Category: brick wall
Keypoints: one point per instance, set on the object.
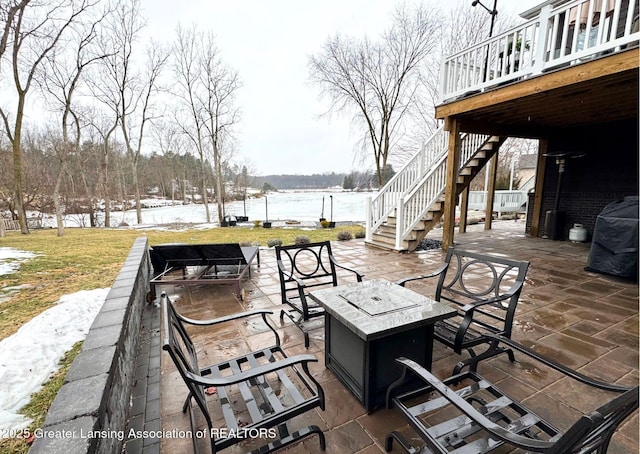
(90, 411)
(607, 172)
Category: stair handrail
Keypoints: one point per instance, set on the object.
(412, 207)
(385, 201)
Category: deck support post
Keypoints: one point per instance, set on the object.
(491, 190)
(450, 193)
(464, 207)
(536, 213)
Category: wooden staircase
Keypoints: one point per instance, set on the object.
(386, 234)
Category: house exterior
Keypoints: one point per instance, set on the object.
(567, 76)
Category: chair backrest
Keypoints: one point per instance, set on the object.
(222, 254)
(181, 255)
(472, 277)
(592, 432)
(174, 255)
(182, 352)
(311, 263)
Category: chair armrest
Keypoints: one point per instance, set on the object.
(359, 276)
(228, 318)
(559, 367)
(468, 311)
(470, 411)
(442, 268)
(254, 372)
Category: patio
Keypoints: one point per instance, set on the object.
(584, 320)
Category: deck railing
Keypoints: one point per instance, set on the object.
(503, 201)
(568, 34)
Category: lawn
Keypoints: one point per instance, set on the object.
(86, 259)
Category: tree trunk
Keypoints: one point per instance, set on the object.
(136, 188)
(56, 201)
(18, 184)
(205, 196)
(219, 182)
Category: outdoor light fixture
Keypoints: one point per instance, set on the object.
(494, 13)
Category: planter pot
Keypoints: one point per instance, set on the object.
(232, 223)
(266, 225)
(224, 224)
(332, 225)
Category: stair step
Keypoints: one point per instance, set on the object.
(385, 236)
(390, 225)
(384, 246)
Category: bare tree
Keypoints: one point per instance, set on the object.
(207, 91)
(104, 126)
(376, 80)
(130, 92)
(61, 77)
(8, 12)
(35, 31)
(189, 91)
(221, 115)
(170, 139)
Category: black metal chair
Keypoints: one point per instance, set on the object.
(302, 268)
(485, 290)
(468, 413)
(251, 396)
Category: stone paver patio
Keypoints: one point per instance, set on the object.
(585, 320)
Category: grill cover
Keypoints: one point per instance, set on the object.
(614, 248)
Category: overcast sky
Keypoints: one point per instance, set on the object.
(268, 43)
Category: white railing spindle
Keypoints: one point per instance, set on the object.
(555, 37)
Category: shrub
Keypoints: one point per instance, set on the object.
(360, 234)
(344, 235)
(274, 242)
(257, 223)
(324, 223)
(302, 239)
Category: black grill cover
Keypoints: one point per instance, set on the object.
(614, 248)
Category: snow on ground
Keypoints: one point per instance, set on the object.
(30, 356)
(10, 259)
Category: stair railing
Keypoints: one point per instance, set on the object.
(385, 201)
(413, 206)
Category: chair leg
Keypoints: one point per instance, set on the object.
(388, 445)
(187, 403)
(299, 324)
(473, 361)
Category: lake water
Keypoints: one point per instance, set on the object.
(303, 206)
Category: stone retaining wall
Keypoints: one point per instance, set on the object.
(89, 414)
